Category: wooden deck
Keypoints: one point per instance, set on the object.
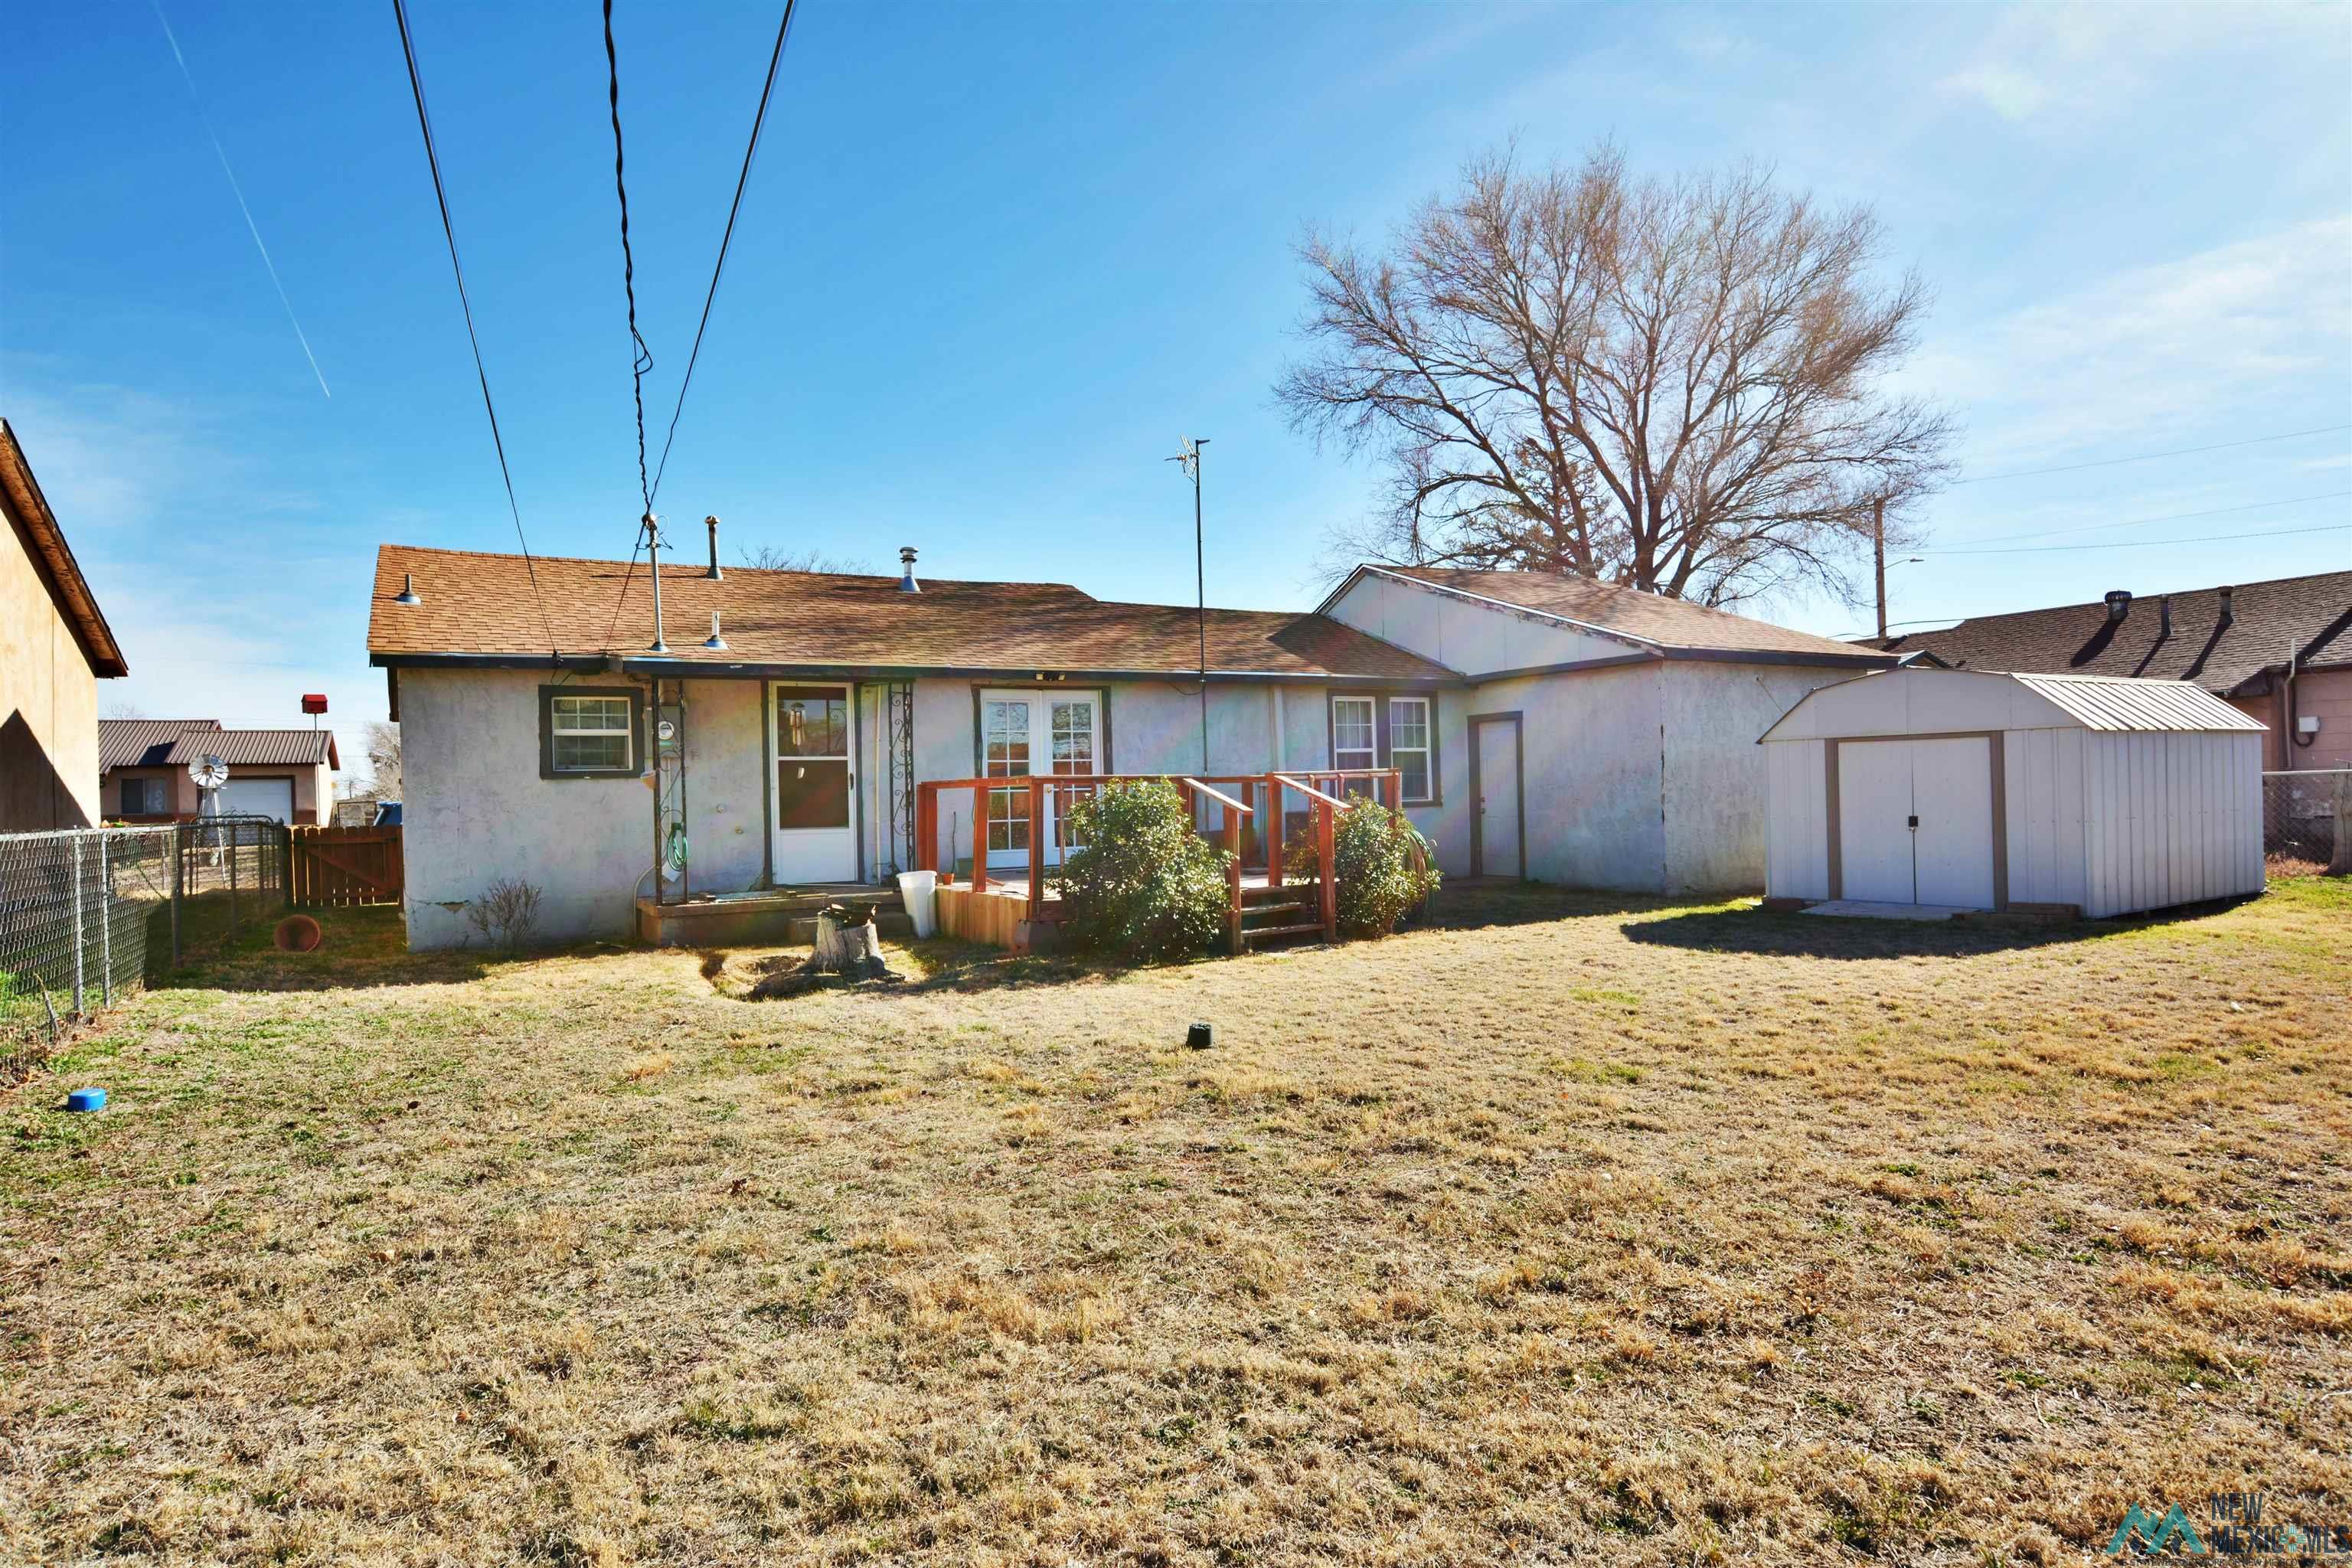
(1003, 914)
(771, 915)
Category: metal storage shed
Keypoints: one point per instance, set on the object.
(1977, 790)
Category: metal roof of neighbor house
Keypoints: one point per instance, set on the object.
(2270, 622)
(175, 743)
(142, 743)
(2118, 702)
(483, 606)
(1630, 613)
(258, 748)
(45, 544)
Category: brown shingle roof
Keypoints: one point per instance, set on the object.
(1676, 624)
(484, 604)
(142, 743)
(257, 748)
(2269, 621)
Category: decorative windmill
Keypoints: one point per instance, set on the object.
(210, 773)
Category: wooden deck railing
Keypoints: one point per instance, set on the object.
(1328, 793)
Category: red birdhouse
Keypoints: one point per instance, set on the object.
(314, 702)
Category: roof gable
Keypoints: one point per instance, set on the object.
(1638, 621)
(43, 544)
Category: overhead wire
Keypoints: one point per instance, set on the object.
(449, 232)
(641, 359)
(751, 150)
(2150, 457)
(2147, 543)
(2171, 517)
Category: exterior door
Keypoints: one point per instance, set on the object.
(812, 733)
(1875, 821)
(1022, 732)
(1915, 822)
(1951, 793)
(272, 798)
(1500, 847)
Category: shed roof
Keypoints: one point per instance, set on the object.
(1917, 702)
(485, 606)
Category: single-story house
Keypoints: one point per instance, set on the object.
(285, 774)
(1552, 729)
(2280, 650)
(54, 648)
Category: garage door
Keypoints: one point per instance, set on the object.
(259, 798)
(1915, 821)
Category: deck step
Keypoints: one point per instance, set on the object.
(1250, 910)
(1256, 933)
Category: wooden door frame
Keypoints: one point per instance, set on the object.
(1517, 719)
(1993, 750)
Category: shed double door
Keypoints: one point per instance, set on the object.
(1915, 821)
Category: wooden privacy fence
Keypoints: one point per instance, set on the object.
(346, 866)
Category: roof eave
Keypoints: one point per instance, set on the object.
(755, 669)
(53, 558)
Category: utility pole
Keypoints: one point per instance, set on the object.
(1878, 556)
(1189, 459)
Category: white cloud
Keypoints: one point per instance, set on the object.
(2177, 346)
(2011, 93)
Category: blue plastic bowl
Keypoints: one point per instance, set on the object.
(86, 1099)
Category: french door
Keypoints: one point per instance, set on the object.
(813, 741)
(1025, 732)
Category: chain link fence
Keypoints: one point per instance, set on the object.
(2300, 813)
(92, 914)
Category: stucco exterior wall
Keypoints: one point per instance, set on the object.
(1715, 800)
(48, 706)
(2326, 695)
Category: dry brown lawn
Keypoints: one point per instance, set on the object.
(1617, 1232)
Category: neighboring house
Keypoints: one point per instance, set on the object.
(1556, 729)
(2281, 651)
(55, 646)
(281, 773)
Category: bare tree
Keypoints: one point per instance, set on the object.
(123, 707)
(383, 743)
(1675, 386)
(775, 558)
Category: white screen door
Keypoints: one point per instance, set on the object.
(1024, 732)
(813, 733)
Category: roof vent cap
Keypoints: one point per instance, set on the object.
(906, 583)
(2228, 613)
(714, 642)
(407, 595)
(2118, 605)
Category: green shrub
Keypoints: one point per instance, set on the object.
(1386, 867)
(1145, 886)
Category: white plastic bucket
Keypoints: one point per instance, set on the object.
(918, 892)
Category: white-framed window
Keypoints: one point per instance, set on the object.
(1354, 739)
(1409, 744)
(589, 735)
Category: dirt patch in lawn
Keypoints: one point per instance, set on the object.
(1523, 1237)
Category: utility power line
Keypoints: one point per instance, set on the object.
(432, 161)
(2149, 543)
(2172, 517)
(238, 191)
(2150, 457)
(641, 359)
(750, 151)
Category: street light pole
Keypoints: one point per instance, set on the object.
(1190, 458)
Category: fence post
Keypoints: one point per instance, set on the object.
(233, 847)
(178, 886)
(76, 922)
(2340, 862)
(105, 925)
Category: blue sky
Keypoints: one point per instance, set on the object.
(996, 260)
